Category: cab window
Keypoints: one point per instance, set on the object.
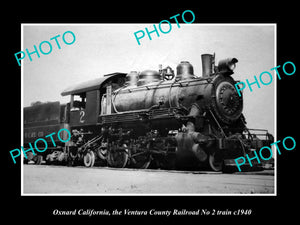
(78, 102)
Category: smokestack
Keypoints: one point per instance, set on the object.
(207, 64)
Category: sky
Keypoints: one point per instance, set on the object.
(100, 49)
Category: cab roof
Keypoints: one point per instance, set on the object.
(91, 84)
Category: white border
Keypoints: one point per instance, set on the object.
(22, 115)
(275, 109)
(150, 194)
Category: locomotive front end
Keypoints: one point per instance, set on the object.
(215, 118)
(215, 132)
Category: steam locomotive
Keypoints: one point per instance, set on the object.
(152, 118)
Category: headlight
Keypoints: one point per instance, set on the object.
(231, 66)
(226, 66)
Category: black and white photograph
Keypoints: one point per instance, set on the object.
(161, 116)
(150, 113)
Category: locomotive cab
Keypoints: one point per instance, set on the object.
(86, 98)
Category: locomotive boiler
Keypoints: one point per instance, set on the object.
(160, 119)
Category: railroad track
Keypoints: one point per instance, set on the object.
(62, 180)
(269, 172)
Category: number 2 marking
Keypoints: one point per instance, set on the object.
(82, 113)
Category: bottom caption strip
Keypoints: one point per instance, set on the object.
(153, 212)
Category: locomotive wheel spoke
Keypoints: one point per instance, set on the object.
(39, 159)
(215, 161)
(117, 158)
(89, 159)
(102, 154)
(141, 160)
